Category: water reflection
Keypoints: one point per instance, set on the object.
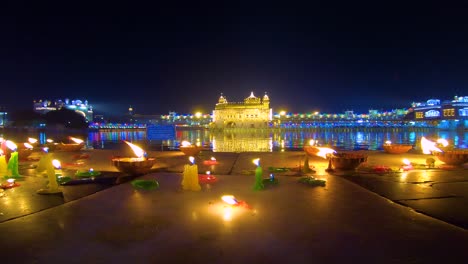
(262, 140)
(242, 141)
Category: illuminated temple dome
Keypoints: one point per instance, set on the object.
(254, 112)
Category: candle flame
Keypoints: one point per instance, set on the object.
(45, 149)
(191, 159)
(256, 161)
(11, 181)
(311, 142)
(443, 142)
(428, 146)
(213, 158)
(77, 140)
(11, 145)
(49, 140)
(208, 172)
(230, 199)
(323, 152)
(28, 146)
(56, 164)
(186, 144)
(139, 152)
(388, 142)
(32, 140)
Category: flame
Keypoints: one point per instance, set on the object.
(213, 158)
(56, 164)
(323, 152)
(406, 162)
(49, 140)
(11, 145)
(191, 159)
(45, 149)
(443, 142)
(11, 181)
(28, 146)
(186, 144)
(428, 146)
(32, 140)
(256, 161)
(139, 152)
(230, 199)
(311, 142)
(208, 172)
(76, 140)
(388, 142)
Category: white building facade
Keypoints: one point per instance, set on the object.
(254, 112)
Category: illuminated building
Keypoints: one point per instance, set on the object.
(433, 109)
(83, 108)
(252, 113)
(446, 114)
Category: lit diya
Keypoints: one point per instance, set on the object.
(207, 178)
(24, 151)
(89, 173)
(396, 148)
(232, 201)
(347, 160)
(453, 157)
(211, 161)
(188, 149)
(134, 166)
(407, 165)
(77, 145)
(11, 183)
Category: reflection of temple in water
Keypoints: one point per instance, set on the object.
(241, 142)
(252, 113)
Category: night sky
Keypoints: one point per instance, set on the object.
(161, 58)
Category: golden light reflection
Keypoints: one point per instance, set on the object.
(227, 215)
(403, 176)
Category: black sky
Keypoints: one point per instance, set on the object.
(161, 58)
